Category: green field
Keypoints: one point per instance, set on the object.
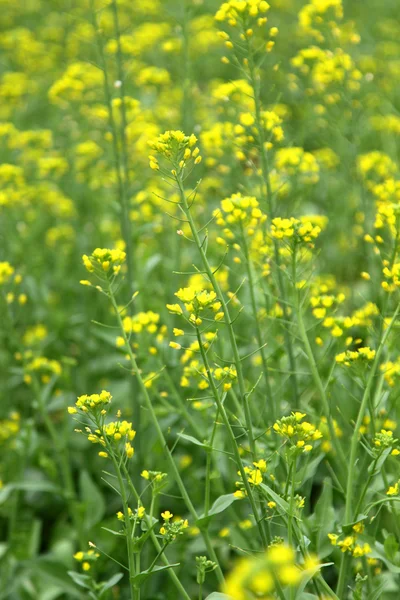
(199, 299)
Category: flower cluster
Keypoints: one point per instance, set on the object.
(116, 435)
(301, 231)
(392, 276)
(312, 14)
(385, 439)
(239, 215)
(178, 149)
(93, 403)
(9, 427)
(296, 163)
(42, 365)
(326, 445)
(143, 323)
(86, 558)
(6, 272)
(172, 528)
(196, 301)
(349, 543)
(133, 515)
(103, 262)
(154, 477)
(119, 434)
(299, 433)
(241, 11)
(257, 576)
(225, 375)
(391, 371)
(347, 358)
(254, 476)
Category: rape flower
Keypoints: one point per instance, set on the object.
(177, 149)
(350, 356)
(257, 575)
(297, 432)
(103, 261)
(93, 402)
(6, 272)
(393, 490)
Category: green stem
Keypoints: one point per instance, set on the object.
(269, 399)
(267, 195)
(227, 318)
(137, 570)
(128, 526)
(163, 442)
(360, 416)
(366, 486)
(318, 381)
(161, 551)
(342, 576)
(120, 163)
(235, 448)
(291, 502)
(208, 467)
(186, 85)
(354, 443)
(153, 536)
(182, 406)
(290, 515)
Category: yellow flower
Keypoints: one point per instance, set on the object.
(393, 490)
(166, 515)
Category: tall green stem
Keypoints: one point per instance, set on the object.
(318, 383)
(267, 196)
(235, 448)
(135, 592)
(253, 301)
(171, 462)
(153, 536)
(124, 151)
(354, 444)
(360, 416)
(227, 318)
(121, 165)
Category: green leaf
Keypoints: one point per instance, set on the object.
(141, 577)
(3, 549)
(139, 542)
(221, 503)
(378, 593)
(80, 579)
(28, 486)
(92, 498)
(218, 596)
(307, 576)
(274, 496)
(114, 532)
(391, 547)
(192, 439)
(324, 518)
(111, 582)
(378, 551)
(309, 469)
(57, 574)
(376, 468)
